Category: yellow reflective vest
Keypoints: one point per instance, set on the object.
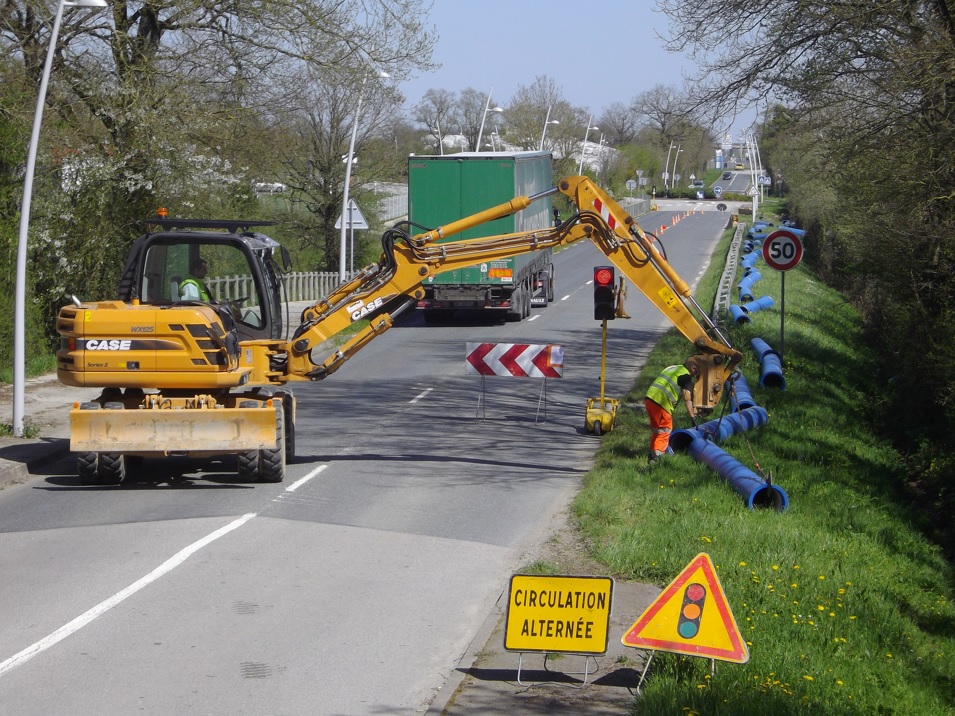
(665, 390)
(200, 287)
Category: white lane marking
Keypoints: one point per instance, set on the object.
(419, 396)
(298, 483)
(565, 297)
(534, 317)
(83, 619)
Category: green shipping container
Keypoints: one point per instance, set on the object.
(442, 189)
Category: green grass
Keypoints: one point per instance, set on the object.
(39, 365)
(846, 607)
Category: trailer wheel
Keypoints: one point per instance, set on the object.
(272, 462)
(516, 310)
(598, 428)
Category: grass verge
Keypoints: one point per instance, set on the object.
(846, 606)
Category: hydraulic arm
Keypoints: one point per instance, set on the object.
(384, 289)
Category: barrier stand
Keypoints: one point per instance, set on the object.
(585, 672)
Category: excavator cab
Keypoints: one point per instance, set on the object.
(242, 275)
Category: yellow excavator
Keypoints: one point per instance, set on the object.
(187, 376)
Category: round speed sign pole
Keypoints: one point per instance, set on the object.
(782, 251)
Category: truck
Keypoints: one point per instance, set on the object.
(444, 188)
(210, 378)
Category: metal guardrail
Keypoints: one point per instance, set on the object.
(722, 303)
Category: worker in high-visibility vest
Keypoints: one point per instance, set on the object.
(673, 383)
(193, 289)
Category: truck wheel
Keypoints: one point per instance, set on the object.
(516, 311)
(86, 467)
(112, 468)
(527, 299)
(272, 462)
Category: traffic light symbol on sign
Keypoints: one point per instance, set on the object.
(604, 293)
(689, 623)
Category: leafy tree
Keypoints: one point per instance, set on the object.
(862, 94)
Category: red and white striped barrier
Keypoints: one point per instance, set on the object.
(521, 360)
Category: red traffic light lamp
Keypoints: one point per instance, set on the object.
(604, 293)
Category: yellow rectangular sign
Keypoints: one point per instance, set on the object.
(558, 614)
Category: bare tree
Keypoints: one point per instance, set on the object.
(437, 111)
(620, 123)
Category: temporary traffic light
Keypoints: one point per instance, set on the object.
(603, 293)
(689, 624)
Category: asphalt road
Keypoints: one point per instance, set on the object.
(354, 587)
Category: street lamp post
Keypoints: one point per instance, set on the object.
(676, 156)
(666, 168)
(547, 121)
(19, 308)
(348, 164)
(583, 147)
(487, 108)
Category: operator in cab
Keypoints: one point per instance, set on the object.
(193, 288)
(673, 383)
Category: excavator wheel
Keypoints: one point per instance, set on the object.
(86, 467)
(248, 462)
(272, 462)
(265, 465)
(288, 405)
(112, 468)
(249, 465)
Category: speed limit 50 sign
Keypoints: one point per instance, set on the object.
(782, 250)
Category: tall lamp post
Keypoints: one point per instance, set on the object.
(666, 168)
(583, 147)
(19, 308)
(346, 215)
(487, 108)
(547, 121)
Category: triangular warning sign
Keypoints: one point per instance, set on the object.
(691, 617)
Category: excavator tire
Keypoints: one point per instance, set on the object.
(248, 463)
(272, 462)
(86, 467)
(112, 468)
(288, 405)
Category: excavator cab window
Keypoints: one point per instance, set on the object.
(229, 277)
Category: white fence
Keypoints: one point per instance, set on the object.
(300, 286)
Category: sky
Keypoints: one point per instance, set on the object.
(596, 56)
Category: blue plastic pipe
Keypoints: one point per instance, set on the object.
(741, 397)
(739, 315)
(771, 372)
(720, 429)
(755, 491)
(760, 304)
(770, 364)
(761, 348)
(752, 273)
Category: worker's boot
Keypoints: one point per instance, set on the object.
(654, 456)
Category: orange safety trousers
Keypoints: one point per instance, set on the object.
(661, 424)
